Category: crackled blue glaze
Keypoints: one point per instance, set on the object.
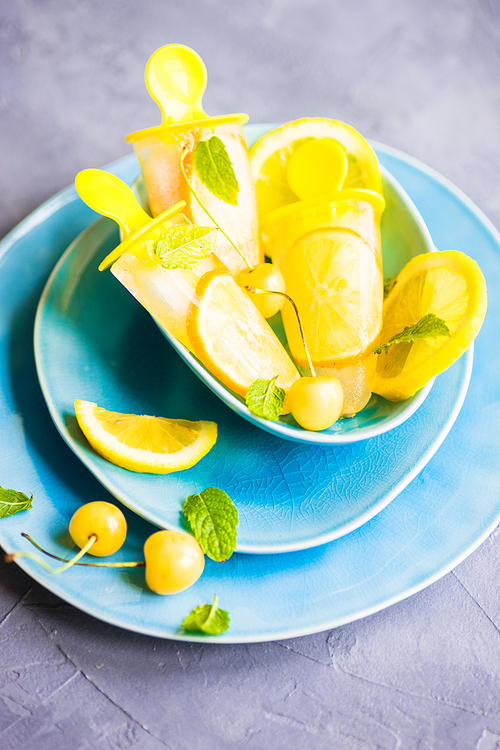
(427, 529)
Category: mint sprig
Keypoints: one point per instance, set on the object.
(430, 326)
(208, 619)
(215, 170)
(213, 518)
(12, 501)
(265, 399)
(185, 246)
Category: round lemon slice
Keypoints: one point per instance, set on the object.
(152, 445)
(232, 339)
(335, 279)
(270, 159)
(447, 284)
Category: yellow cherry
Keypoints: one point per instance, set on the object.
(105, 521)
(265, 277)
(316, 402)
(174, 562)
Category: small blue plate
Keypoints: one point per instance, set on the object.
(94, 342)
(433, 524)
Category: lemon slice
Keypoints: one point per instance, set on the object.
(448, 284)
(270, 157)
(232, 339)
(335, 279)
(152, 445)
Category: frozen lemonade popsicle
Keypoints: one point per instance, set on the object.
(176, 79)
(165, 293)
(327, 245)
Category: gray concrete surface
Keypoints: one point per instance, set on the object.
(420, 75)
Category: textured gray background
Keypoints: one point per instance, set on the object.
(421, 75)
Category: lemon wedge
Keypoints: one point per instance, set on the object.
(447, 284)
(152, 445)
(270, 160)
(232, 339)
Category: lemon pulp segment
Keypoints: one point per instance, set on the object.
(154, 434)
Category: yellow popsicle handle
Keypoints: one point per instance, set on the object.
(316, 167)
(176, 78)
(134, 242)
(110, 196)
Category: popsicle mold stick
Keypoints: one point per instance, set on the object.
(110, 196)
(176, 78)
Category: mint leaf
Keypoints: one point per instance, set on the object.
(215, 170)
(185, 246)
(388, 285)
(12, 501)
(427, 327)
(265, 399)
(207, 618)
(213, 518)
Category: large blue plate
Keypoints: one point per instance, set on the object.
(433, 524)
(94, 342)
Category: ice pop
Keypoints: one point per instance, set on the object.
(327, 246)
(176, 79)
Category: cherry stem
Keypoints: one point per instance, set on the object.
(73, 561)
(253, 290)
(213, 609)
(68, 563)
(193, 191)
